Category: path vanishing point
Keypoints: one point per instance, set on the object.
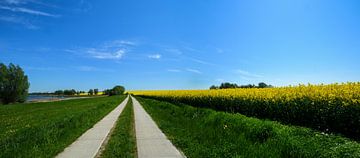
(151, 141)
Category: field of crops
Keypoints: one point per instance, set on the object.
(330, 108)
(45, 129)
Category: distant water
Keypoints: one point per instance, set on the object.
(42, 97)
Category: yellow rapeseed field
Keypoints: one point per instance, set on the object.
(333, 107)
(344, 94)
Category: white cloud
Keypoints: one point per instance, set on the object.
(247, 75)
(155, 56)
(103, 54)
(194, 71)
(108, 50)
(28, 11)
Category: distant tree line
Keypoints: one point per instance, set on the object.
(117, 90)
(227, 85)
(66, 92)
(14, 84)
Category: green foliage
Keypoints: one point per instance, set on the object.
(91, 92)
(45, 129)
(69, 92)
(122, 142)
(107, 91)
(14, 84)
(117, 90)
(59, 92)
(207, 133)
(96, 91)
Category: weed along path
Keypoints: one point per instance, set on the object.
(151, 141)
(89, 143)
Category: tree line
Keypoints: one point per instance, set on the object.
(227, 85)
(117, 90)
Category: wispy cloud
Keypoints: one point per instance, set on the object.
(246, 75)
(18, 20)
(201, 61)
(28, 11)
(154, 56)
(104, 54)
(23, 11)
(173, 70)
(108, 50)
(174, 51)
(194, 71)
(14, 1)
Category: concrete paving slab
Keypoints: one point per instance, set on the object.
(89, 143)
(151, 141)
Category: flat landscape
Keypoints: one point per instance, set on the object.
(179, 79)
(199, 123)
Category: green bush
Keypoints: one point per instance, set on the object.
(14, 84)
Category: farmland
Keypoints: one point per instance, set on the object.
(200, 132)
(328, 108)
(45, 129)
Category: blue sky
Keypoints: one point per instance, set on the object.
(179, 44)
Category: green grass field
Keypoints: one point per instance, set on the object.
(122, 142)
(207, 133)
(45, 129)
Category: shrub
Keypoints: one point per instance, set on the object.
(14, 84)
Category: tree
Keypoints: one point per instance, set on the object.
(59, 92)
(117, 90)
(228, 85)
(96, 91)
(107, 91)
(214, 87)
(14, 84)
(262, 85)
(91, 92)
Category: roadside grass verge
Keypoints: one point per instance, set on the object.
(122, 142)
(45, 129)
(202, 132)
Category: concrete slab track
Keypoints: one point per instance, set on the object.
(88, 144)
(151, 141)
